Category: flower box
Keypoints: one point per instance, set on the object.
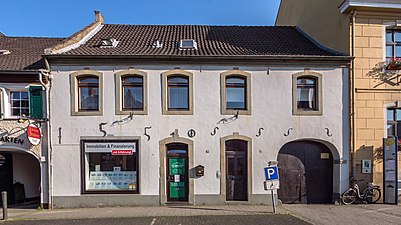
(394, 64)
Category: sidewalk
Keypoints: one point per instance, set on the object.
(346, 214)
(124, 212)
(315, 214)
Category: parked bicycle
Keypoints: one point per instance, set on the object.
(371, 194)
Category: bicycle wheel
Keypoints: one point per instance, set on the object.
(349, 197)
(373, 195)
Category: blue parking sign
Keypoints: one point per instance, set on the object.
(271, 173)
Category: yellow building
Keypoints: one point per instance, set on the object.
(369, 31)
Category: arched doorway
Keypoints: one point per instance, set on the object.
(236, 170)
(306, 173)
(177, 182)
(20, 176)
(176, 160)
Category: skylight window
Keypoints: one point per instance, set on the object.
(188, 44)
(108, 43)
(4, 52)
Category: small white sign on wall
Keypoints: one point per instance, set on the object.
(366, 166)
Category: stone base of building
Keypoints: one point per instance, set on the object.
(93, 201)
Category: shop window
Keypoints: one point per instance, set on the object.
(131, 92)
(177, 93)
(110, 167)
(235, 92)
(86, 93)
(307, 96)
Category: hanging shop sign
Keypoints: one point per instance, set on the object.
(115, 148)
(33, 134)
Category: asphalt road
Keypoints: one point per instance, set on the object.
(283, 219)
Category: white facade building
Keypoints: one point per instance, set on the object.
(228, 114)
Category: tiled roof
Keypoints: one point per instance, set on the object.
(212, 41)
(26, 52)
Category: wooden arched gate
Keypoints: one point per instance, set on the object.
(306, 173)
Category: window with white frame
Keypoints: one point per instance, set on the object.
(393, 44)
(19, 102)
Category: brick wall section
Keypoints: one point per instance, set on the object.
(370, 117)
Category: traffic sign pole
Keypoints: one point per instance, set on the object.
(273, 201)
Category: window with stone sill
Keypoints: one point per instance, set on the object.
(235, 95)
(86, 93)
(177, 92)
(307, 93)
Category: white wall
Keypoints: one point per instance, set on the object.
(271, 109)
(26, 171)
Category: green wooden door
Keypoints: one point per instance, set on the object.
(177, 179)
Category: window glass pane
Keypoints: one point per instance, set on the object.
(25, 111)
(398, 115)
(15, 103)
(15, 95)
(178, 80)
(389, 37)
(133, 98)
(129, 80)
(25, 103)
(398, 51)
(390, 130)
(24, 95)
(92, 80)
(178, 98)
(234, 80)
(89, 98)
(389, 51)
(390, 114)
(235, 98)
(397, 35)
(306, 94)
(16, 112)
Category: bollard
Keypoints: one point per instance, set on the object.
(4, 198)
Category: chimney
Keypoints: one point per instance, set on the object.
(99, 17)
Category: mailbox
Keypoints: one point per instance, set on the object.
(200, 171)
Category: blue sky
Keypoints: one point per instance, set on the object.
(61, 18)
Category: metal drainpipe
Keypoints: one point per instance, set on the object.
(49, 153)
(352, 99)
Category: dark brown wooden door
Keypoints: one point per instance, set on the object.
(306, 173)
(236, 171)
(6, 176)
(177, 173)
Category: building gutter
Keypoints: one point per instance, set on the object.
(352, 95)
(45, 72)
(98, 60)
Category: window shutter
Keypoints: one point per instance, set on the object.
(36, 95)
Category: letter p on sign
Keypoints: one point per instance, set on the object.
(271, 173)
